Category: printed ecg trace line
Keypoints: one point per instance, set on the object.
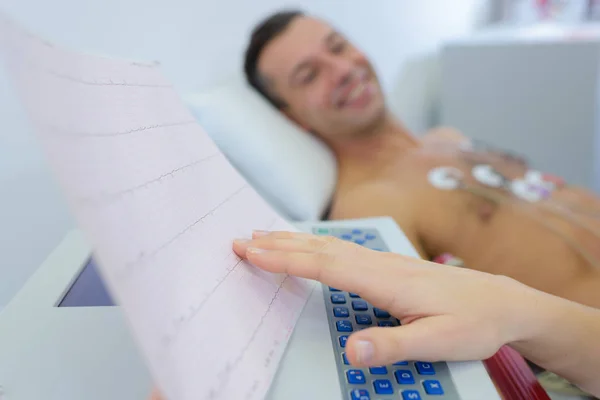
(25, 58)
(33, 38)
(197, 308)
(110, 82)
(74, 134)
(105, 197)
(168, 339)
(143, 256)
(226, 372)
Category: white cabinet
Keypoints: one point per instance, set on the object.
(535, 92)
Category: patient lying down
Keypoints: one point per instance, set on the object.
(449, 194)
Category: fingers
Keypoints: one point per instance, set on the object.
(288, 241)
(428, 339)
(323, 267)
(241, 246)
(329, 260)
(283, 235)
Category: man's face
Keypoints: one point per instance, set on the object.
(329, 87)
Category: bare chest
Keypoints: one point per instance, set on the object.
(545, 243)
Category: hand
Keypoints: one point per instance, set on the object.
(446, 313)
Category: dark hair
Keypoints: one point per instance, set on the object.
(262, 35)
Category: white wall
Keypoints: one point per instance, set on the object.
(199, 43)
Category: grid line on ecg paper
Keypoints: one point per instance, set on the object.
(144, 256)
(225, 373)
(106, 197)
(73, 134)
(167, 339)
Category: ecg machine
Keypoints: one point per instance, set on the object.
(62, 338)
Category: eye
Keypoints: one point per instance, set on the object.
(309, 76)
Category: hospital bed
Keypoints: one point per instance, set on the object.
(64, 316)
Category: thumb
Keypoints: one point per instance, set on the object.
(427, 339)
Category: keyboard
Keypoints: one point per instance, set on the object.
(347, 313)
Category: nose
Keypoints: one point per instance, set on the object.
(340, 70)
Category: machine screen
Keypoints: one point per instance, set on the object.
(88, 290)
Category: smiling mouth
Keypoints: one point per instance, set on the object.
(360, 93)
(356, 92)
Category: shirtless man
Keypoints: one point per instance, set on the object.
(482, 206)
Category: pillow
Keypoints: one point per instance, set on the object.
(294, 171)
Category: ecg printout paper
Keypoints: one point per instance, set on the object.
(160, 205)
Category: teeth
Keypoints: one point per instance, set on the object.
(357, 91)
(339, 101)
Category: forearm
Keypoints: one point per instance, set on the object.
(563, 337)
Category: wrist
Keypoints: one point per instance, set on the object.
(542, 320)
(556, 334)
(527, 313)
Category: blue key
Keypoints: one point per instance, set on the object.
(346, 237)
(383, 386)
(355, 376)
(401, 363)
(433, 387)
(385, 323)
(338, 298)
(360, 394)
(341, 312)
(359, 305)
(378, 370)
(345, 359)
(425, 368)
(344, 325)
(354, 295)
(332, 289)
(411, 395)
(363, 319)
(370, 236)
(359, 241)
(404, 377)
(343, 340)
(356, 231)
(379, 313)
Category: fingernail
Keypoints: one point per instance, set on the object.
(255, 250)
(364, 351)
(241, 241)
(259, 233)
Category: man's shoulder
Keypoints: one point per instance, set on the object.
(444, 134)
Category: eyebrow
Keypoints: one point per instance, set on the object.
(305, 63)
(332, 35)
